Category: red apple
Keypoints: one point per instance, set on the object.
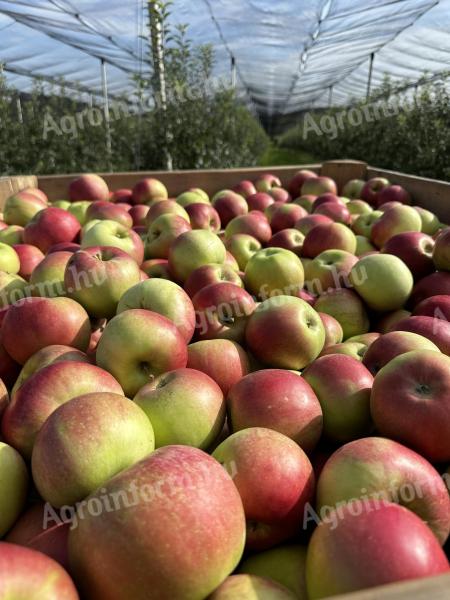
(37, 193)
(107, 210)
(289, 239)
(267, 181)
(51, 226)
(332, 236)
(416, 251)
(43, 322)
(156, 267)
(229, 205)
(279, 400)
(399, 219)
(393, 193)
(436, 284)
(203, 216)
(209, 274)
(441, 253)
(373, 187)
(64, 247)
(88, 187)
(334, 333)
(224, 361)
(121, 196)
(436, 306)
(165, 207)
(254, 224)
(148, 190)
(47, 278)
(305, 224)
(388, 543)
(296, 183)
(436, 330)
(259, 201)
(274, 479)
(337, 212)
(245, 188)
(29, 256)
(422, 395)
(161, 234)
(286, 216)
(326, 198)
(317, 186)
(280, 194)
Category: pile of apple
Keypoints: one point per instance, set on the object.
(244, 397)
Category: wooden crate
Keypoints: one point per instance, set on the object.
(431, 194)
(428, 193)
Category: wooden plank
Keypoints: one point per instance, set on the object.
(344, 170)
(432, 194)
(175, 181)
(431, 588)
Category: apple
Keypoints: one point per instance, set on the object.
(267, 181)
(342, 385)
(274, 271)
(436, 284)
(228, 205)
(383, 281)
(284, 564)
(132, 356)
(306, 202)
(165, 207)
(274, 478)
(110, 212)
(191, 197)
(20, 208)
(389, 544)
(79, 209)
(111, 233)
(334, 334)
(325, 199)
(430, 222)
(47, 356)
(64, 204)
(200, 192)
(9, 259)
(393, 193)
(286, 216)
(254, 224)
(393, 344)
(353, 189)
(259, 201)
(148, 190)
(384, 470)
(162, 232)
(225, 361)
(372, 188)
(156, 268)
(305, 224)
(203, 216)
(14, 476)
(36, 192)
(248, 587)
(242, 247)
(285, 332)
(232, 262)
(30, 574)
(222, 311)
(165, 298)
(185, 407)
(355, 350)
(441, 252)
(436, 306)
(347, 308)
(329, 269)
(64, 247)
(4, 397)
(270, 210)
(123, 195)
(289, 239)
(9, 370)
(387, 322)
(208, 274)
(280, 194)
(119, 435)
(365, 338)
(422, 395)
(47, 278)
(12, 288)
(337, 212)
(185, 502)
(255, 401)
(88, 187)
(12, 235)
(328, 236)
(363, 246)
(316, 186)
(357, 208)
(194, 249)
(436, 330)
(98, 277)
(364, 223)
(29, 257)
(296, 183)
(245, 188)
(32, 531)
(43, 322)
(398, 219)
(49, 227)
(42, 393)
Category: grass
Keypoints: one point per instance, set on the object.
(276, 156)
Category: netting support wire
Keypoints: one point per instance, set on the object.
(330, 96)
(233, 72)
(369, 80)
(157, 44)
(19, 111)
(106, 111)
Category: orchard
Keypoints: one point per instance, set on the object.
(243, 396)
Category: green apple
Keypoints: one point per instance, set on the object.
(383, 281)
(64, 204)
(12, 288)
(14, 484)
(251, 587)
(430, 222)
(9, 259)
(193, 249)
(363, 245)
(274, 272)
(111, 233)
(187, 198)
(12, 235)
(47, 278)
(78, 210)
(243, 246)
(363, 224)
